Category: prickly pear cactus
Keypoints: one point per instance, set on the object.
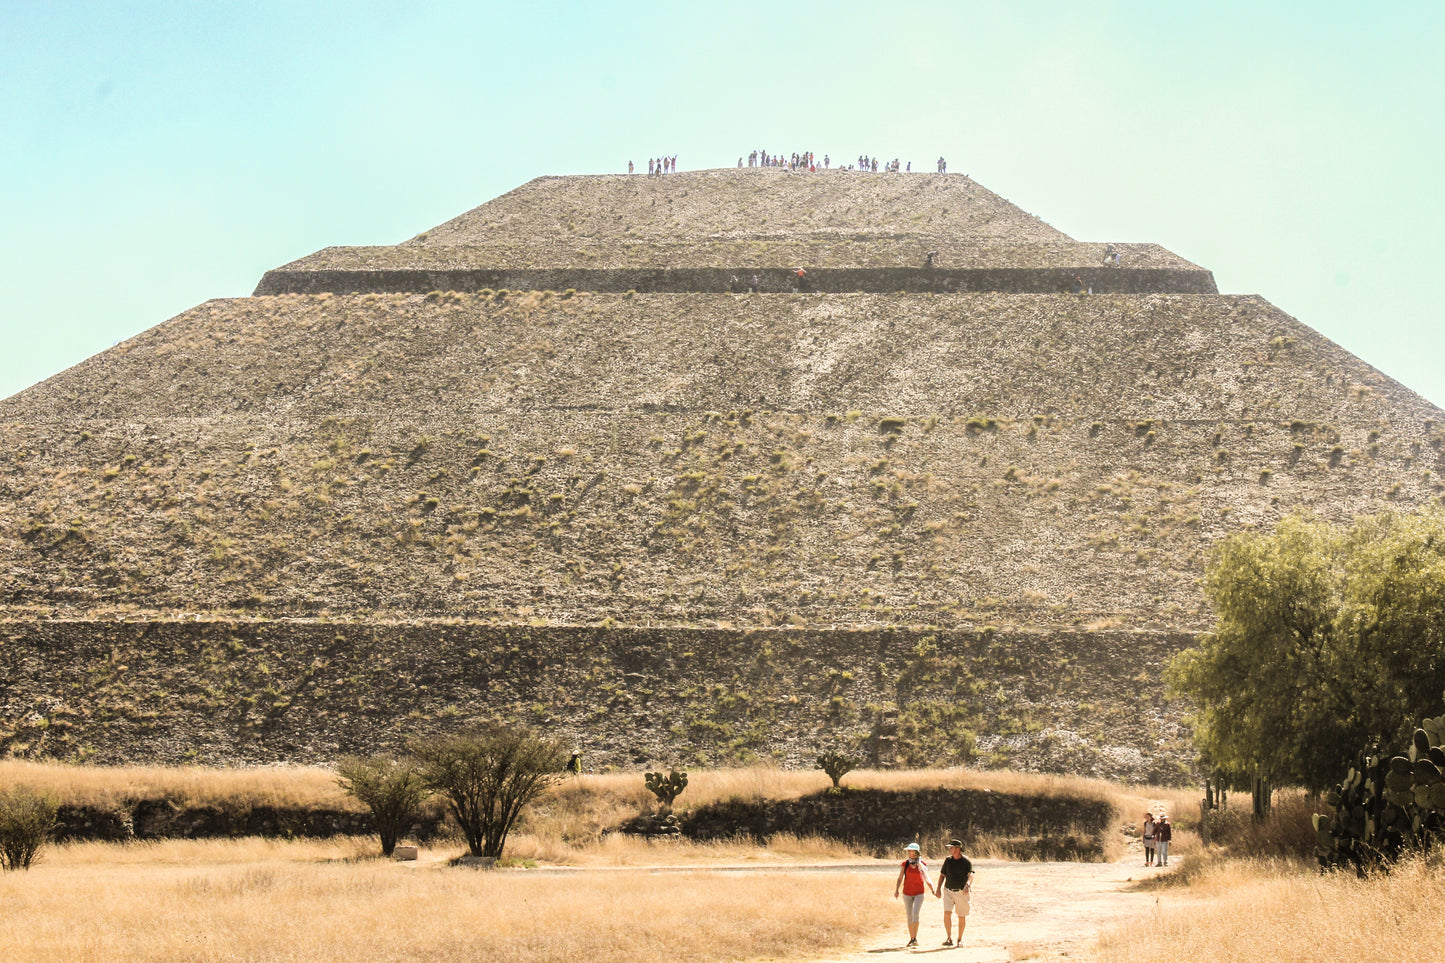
(836, 765)
(1386, 806)
(666, 788)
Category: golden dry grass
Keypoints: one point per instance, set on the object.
(1284, 911)
(316, 902)
(616, 849)
(104, 786)
(573, 823)
(314, 785)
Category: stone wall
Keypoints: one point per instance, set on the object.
(1042, 827)
(166, 819)
(310, 691)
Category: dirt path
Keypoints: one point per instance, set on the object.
(1039, 912)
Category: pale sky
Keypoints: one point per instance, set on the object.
(155, 155)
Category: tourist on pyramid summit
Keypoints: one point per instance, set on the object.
(1164, 832)
(629, 167)
(955, 884)
(826, 162)
(1150, 833)
(913, 881)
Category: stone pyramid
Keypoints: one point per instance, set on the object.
(698, 468)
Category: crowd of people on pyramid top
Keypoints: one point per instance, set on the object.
(806, 161)
(797, 162)
(658, 165)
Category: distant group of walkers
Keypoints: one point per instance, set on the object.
(955, 883)
(1156, 833)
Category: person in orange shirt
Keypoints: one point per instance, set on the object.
(913, 882)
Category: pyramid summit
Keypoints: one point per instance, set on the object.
(596, 457)
(713, 231)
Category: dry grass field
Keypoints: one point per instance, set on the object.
(621, 791)
(571, 824)
(255, 899)
(1285, 911)
(101, 786)
(314, 902)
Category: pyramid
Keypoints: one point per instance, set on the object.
(701, 468)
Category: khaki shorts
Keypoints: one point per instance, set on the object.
(955, 901)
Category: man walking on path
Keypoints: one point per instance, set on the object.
(1164, 832)
(955, 882)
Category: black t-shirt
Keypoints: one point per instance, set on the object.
(956, 872)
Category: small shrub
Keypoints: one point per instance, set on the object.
(391, 788)
(980, 424)
(487, 778)
(1287, 832)
(27, 819)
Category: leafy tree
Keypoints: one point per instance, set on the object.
(391, 788)
(1326, 639)
(487, 778)
(27, 818)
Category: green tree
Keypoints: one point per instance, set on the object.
(1325, 639)
(487, 778)
(391, 787)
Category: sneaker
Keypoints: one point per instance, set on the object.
(911, 943)
(948, 942)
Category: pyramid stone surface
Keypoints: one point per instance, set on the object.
(670, 520)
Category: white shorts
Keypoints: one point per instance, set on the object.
(955, 901)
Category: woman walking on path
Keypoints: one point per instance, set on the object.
(913, 881)
(1149, 833)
